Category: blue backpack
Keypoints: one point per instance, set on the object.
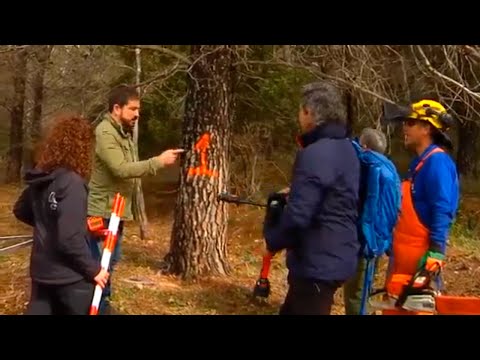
(379, 211)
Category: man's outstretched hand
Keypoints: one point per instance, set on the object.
(169, 157)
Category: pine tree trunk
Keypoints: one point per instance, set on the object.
(468, 134)
(15, 152)
(468, 129)
(351, 102)
(37, 64)
(198, 243)
(42, 54)
(139, 201)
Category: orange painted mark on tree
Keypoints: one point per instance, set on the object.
(201, 147)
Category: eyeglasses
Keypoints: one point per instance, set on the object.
(410, 122)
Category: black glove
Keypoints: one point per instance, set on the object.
(275, 204)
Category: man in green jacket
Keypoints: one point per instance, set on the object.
(116, 166)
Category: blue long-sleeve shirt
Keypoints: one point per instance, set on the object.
(436, 195)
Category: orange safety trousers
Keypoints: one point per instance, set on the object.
(410, 242)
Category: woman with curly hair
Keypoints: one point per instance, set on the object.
(62, 268)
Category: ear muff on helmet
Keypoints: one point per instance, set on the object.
(445, 119)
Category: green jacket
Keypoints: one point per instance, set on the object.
(115, 169)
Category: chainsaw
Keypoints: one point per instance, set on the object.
(234, 199)
(274, 205)
(419, 296)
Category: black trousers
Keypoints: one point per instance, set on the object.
(308, 297)
(71, 299)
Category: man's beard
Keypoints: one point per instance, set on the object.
(128, 125)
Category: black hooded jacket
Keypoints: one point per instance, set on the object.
(55, 205)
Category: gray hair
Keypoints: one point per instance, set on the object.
(326, 102)
(374, 140)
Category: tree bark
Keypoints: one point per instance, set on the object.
(468, 129)
(139, 205)
(37, 64)
(15, 152)
(42, 54)
(351, 111)
(198, 243)
(468, 134)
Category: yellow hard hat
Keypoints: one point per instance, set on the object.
(431, 111)
(425, 110)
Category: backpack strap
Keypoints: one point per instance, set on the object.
(367, 284)
(420, 165)
(422, 161)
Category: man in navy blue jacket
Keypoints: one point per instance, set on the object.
(318, 227)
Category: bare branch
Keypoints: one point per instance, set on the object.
(314, 69)
(163, 74)
(444, 77)
(164, 50)
(452, 65)
(470, 51)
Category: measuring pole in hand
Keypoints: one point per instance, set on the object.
(109, 246)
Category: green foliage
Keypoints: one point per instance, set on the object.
(271, 101)
(161, 121)
(162, 111)
(464, 233)
(264, 129)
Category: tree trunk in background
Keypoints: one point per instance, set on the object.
(42, 54)
(468, 134)
(351, 111)
(38, 60)
(15, 152)
(468, 128)
(139, 201)
(198, 243)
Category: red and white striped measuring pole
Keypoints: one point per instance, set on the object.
(109, 246)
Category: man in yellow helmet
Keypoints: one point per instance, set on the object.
(430, 193)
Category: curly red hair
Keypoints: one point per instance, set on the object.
(68, 144)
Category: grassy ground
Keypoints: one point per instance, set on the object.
(140, 288)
